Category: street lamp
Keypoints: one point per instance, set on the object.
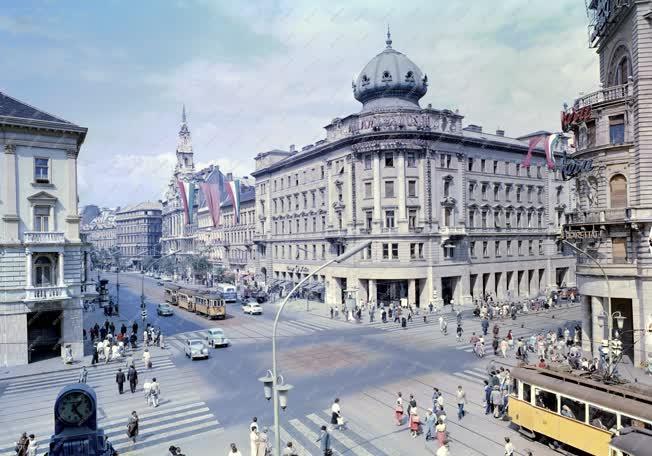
(142, 278)
(278, 389)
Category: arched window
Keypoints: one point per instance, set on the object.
(43, 273)
(618, 191)
(622, 71)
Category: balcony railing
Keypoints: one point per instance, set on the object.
(600, 215)
(452, 230)
(46, 293)
(612, 93)
(43, 237)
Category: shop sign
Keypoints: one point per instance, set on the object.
(298, 269)
(579, 235)
(573, 117)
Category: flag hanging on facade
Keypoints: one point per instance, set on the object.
(214, 192)
(233, 189)
(187, 193)
(549, 144)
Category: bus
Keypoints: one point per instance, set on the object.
(227, 291)
(572, 412)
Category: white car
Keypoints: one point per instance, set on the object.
(216, 338)
(196, 348)
(252, 308)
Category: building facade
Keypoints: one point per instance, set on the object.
(101, 231)
(43, 262)
(612, 128)
(138, 232)
(450, 211)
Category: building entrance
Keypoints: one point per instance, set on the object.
(624, 306)
(391, 291)
(560, 278)
(43, 335)
(448, 288)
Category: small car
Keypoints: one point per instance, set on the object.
(252, 308)
(216, 338)
(164, 310)
(196, 348)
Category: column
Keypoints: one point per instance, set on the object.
(10, 218)
(348, 214)
(377, 220)
(61, 269)
(587, 324)
(373, 297)
(73, 219)
(597, 324)
(423, 199)
(332, 197)
(363, 294)
(412, 292)
(465, 283)
(402, 217)
(28, 268)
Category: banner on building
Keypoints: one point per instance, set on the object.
(187, 194)
(214, 193)
(233, 189)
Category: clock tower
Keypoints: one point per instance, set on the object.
(185, 162)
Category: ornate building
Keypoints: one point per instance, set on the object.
(138, 232)
(450, 210)
(615, 200)
(101, 231)
(43, 261)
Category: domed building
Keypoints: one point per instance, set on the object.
(450, 212)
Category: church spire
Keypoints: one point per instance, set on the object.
(184, 145)
(388, 42)
(183, 114)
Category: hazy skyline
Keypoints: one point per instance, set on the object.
(266, 75)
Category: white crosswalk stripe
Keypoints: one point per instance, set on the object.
(342, 437)
(181, 415)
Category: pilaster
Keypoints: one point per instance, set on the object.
(377, 220)
(10, 219)
(402, 217)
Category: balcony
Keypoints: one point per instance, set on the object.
(613, 93)
(43, 237)
(600, 216)
(46, 293)
(452, 231)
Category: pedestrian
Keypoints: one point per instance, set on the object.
(133, 339)
(443, 450)
(398, 410)
(96, 355)
(485, 326)
(32, 446)
(459, 332)
(496, 401)
(132, 376)
(120, 380)
(504, 345)
(147, 358)
(383, 316)
(487, 397)
(146, 338)
(22, 445)
(411, 403)
(107, 352)
(431, 420)
(495, 344)
(132, 426)
(441, 323)
(440, 401)
(111, 328)
(332, 312)
(415, 423)
(289, 450)
(336, 414)
(123, 329)
(234, 451)
(264, 447)
(441, 432)
(509, 448)
(325, 442)
(253, 441)
(461, 401)
(154, 392)
(496, 330)
(254, 423)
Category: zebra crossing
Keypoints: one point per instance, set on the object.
(475, 375)
(181, 414)
(303, 434)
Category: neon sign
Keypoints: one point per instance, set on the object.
(572, 117)
(568, 167)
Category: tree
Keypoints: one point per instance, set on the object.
(147, 262)
(198, 265)
(167, 265)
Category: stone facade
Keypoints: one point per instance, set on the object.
(101, 231)
(138, 231)
(615, 199)
(43, 261)
(449, 210)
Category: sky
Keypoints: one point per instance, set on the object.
(260, 75)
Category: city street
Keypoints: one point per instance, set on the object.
(206, 404)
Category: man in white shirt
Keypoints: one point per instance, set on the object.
(461, 401)
(154, 392)
(509, 448)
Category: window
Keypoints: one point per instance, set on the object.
(314, 199)
(539, 220)
(618, 191)
(496, 191)
(321, 169)
(322, 196)
(314, 224)
(367, 190)
(445, 160)
(484, 219)
(411, 160)
(448, 217)
(518, 169)
(314, 252)
(420, 252)
(509, 248)
(530, 250)
(519, 190)
(42, 218)
(368, 219)
(617, 129)
(412, 189)
(546, 400)
(472, 249)
(619, 250)
(518, 219)
(527, 392)
(305, 200)
(529, 219)
(323, 251)
(471, 190)
(389, 219)
(520, 247)
(470, 164)
(483, 190)
(412, 218)
(508, 219)
(43, 272)
(471, 218)
(530, 190)
(508, 192)
(42, 170)
(413, 251)
(385, 251)
(483, 164)
(495, 166)
(366, 253)
(323, 222)
(497, 248)
(538, 172)
(601, 419)
(394, 251)
(447, 188)
(389, 159)
(590, 133)
(389, 189)
(449, 251)
(367, 161)
(497, 218)
(540, 195)
(305, 225)
(296, 180)
(626, 421)
(485, 249)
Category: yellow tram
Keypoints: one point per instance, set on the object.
(210, 305)
(170, 291)
(573, 412)
(186, 299)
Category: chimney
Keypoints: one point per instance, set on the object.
(500, 132)
(474, 128)
(293, 149)
(229, 176)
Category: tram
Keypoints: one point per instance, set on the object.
(170, 291)
(185, 299)
(210, 305)
(631, 442)
(570, 412)
(199, 300)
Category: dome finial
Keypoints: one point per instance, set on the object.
(388, 42)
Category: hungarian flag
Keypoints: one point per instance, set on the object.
(233, 189)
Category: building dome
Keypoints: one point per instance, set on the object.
(390, 80)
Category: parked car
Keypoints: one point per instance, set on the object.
(216, 338)
(196, 348)
(164, 310)
(252, 308)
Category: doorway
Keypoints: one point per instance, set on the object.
(560, 277)
(448, 288)
(44, 335)
(624, 306)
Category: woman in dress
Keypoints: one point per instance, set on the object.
(510, 339)
(253, 441)
(336, 413)
(415, 423)
(441, 432)
(132, 426)
(398, 410)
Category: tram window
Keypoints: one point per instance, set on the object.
(527, 392)
(573, 409)
(601, 418)
(626, 421)
(546, 400)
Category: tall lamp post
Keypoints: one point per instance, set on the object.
(142, 277)
(274, 383)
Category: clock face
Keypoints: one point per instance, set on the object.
(75, 408)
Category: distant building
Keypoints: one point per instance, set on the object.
(88, 213)
(43, 260)
(101, 231)
(138, 231)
